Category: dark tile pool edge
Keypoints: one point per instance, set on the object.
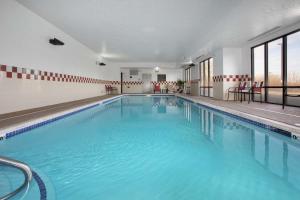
(41, 185)
(110, 100)
(250, 121)
(43, 123)
(28, 128)
(259, 124)
(155, 95)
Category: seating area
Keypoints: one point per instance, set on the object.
(244, 89)
(111, 90)
(165, 88)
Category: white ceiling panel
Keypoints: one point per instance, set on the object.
(163, 30)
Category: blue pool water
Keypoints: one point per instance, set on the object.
(155, 148)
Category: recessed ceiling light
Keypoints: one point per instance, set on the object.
(297, 124)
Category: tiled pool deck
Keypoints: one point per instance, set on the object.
(13, 119)
(270, 114)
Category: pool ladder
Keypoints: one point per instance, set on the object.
(22, 167)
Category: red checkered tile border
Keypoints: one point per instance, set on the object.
(115, 82)
(231, 78)
(132, 82)
(164, 82)
(32, 74)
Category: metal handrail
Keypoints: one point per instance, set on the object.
(21, 166)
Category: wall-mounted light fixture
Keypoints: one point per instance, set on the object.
(100, 61)
(156, 69)
(56, 41)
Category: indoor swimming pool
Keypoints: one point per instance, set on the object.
(153, 148)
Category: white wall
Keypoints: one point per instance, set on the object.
(232, 61)
(24, 43)
(172, 74)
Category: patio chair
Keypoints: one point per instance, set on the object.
(236, 90)
(108, 89)
(164, 88)
(256, 89)
(156, 88)
(246, 90)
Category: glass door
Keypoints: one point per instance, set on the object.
(211, 74)
(259, 66)
(293, 67)
(275, 77)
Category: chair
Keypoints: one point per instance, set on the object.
(164, 88)
(156, 88)
(236, 90)
(108, 89)
(256, 89)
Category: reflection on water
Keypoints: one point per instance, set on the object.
(145, 146)
(273, 152)
(277, 154)
(146, 105)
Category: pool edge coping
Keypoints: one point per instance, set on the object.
(17, 129)
(276, 126)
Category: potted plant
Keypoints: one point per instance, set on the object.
(180, 85)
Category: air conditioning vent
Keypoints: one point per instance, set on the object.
(133, 72)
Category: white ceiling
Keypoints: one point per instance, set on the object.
(163, 30)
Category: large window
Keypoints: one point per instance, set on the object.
(259, 65)
(187, 76)
(275, 70)
(202, 92)
(293, 66)
(211, 74)
(206, 78)
(161, 77)
(277, 63)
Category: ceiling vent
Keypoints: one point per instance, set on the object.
(133, 72)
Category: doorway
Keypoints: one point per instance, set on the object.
(147, 78)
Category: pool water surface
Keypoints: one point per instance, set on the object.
(157, 148)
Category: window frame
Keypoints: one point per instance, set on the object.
(202, 88)
(161, 75)
(266, 67)
(187, 74)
